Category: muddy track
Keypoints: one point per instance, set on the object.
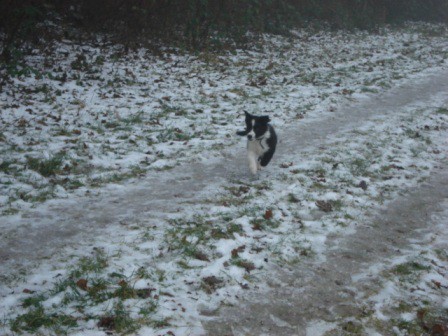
(40, 233)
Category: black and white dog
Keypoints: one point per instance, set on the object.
(261, 141)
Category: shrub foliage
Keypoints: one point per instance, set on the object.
(198, 24)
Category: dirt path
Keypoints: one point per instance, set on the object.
(325, 291)
(40, 233)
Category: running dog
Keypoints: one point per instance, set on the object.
(261, 141)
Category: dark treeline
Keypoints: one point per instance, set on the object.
(196, 24)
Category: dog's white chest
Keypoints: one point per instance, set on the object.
(257, 147)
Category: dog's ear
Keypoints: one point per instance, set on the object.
(264, 119)
(248, 115)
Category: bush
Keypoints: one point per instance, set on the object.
(197, 24)
(18, 23)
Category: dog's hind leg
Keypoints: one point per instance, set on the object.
(264, 160)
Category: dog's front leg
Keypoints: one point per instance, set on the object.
(253, 162)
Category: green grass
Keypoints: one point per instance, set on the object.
(5, 166)
(409, 268)
(34, 301)
(352, 328)
(262, 224)
(10, 211)
(173, 134)
(73, 184)
(164, 168)
(193, 237)
(46, 167)
(37, 318)
(359, 166)
(134, 119)
(442, 110)
(89, 284)
(168, 109)
(411, 328)
(99, 290)
(41, 196)
(442, 254)
(133, 172)
(94, 264)
(118, 320)
(161, 323)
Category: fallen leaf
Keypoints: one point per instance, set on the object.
(268, 214)
(82, 283)
(212, 280)
(257, 226)
(144, 293)
(107, 322)
(421, 314)
(211, 283)
(439, 330)
(437, 283)
(201, 256)
(247, 265)
(22, 123)
(324, 206)
(262, 81)
(362, 185)
(394, 166)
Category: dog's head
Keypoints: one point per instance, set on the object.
(256, 126)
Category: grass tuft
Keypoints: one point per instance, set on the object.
(46, 168)
(38, 317)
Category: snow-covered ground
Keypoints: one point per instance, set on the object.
(83, 116)
(88, 122)
(411, 290)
